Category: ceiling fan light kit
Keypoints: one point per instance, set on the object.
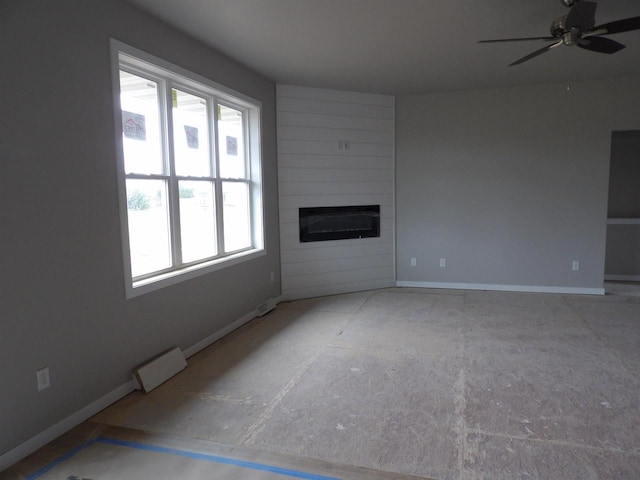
(579, 28)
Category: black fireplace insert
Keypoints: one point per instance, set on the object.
(318, 224)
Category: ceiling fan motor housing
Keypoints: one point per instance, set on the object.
(558, 28)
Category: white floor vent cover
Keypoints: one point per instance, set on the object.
(265, 307)
(160, 369)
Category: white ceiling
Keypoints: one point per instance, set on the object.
(398, 46)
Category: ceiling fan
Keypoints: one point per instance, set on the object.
(579, 28)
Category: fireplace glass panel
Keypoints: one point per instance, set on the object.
(337, 223)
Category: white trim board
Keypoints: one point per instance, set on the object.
(312, 292)
(623, 221)
(26, 448)
(503, 288)
(205, 342)
(41, 439)
(623, 278)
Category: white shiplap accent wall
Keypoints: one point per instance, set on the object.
(313, 171)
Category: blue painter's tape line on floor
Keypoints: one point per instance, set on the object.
(58, 461)
(183, 453)
(217, 459)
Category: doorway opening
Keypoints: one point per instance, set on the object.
(622, 257)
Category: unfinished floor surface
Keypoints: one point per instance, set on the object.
(430, 383)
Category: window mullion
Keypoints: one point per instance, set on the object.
(246, 142)
(219, 199)
(246, 133)
(170, 165)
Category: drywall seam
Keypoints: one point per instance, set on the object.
(504, 288)
(41, 439)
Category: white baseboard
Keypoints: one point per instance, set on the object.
(504, 288)
(205, 342)
(41, 439)
(623, 278)
(297, 294)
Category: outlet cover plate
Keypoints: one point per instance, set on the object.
(43, 378)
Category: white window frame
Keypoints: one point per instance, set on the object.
(125, 57)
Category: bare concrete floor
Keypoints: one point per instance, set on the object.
(432, 383)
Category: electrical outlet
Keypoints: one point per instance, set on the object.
(575, 265)
(43, 379)
(414, 262)
(443, 262)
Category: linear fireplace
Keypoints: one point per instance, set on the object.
(318, 224)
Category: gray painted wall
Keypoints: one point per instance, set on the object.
(62, 298)
(509, 185)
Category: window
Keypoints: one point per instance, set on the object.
(189, 172)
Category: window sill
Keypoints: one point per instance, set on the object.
(158, 282)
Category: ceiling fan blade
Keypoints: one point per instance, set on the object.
(524, 39)
(536, 53)
(619, 26)
(582, 15)
(600, 44)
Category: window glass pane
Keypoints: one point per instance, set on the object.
(190, 134)
(197, 220)
(231, 143)
(148, 218)
(236, 216)
(140, 125)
